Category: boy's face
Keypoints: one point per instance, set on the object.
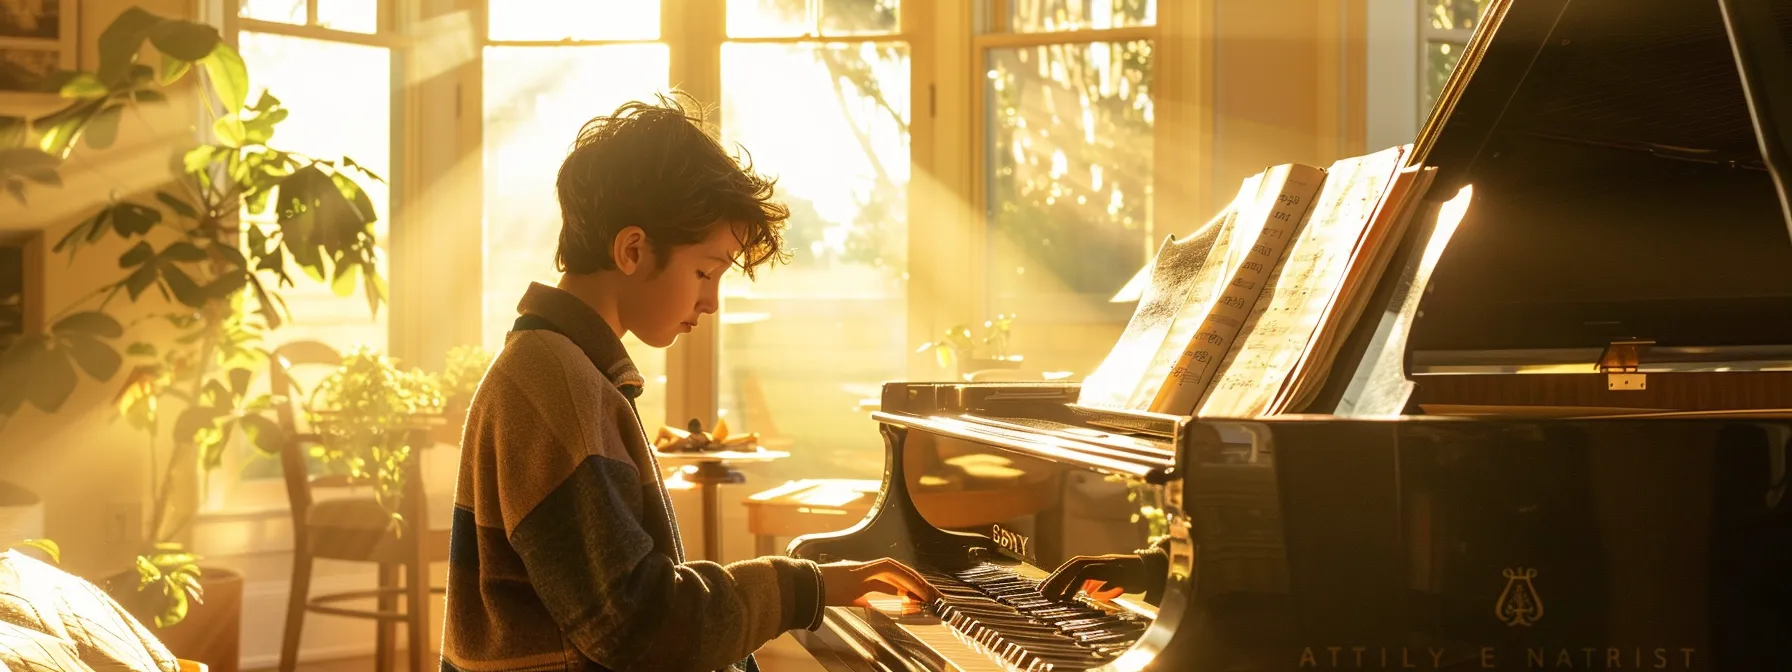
(666, 299)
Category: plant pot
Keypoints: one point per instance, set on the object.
(212, 631)
(21, 514)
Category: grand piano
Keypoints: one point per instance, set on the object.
(1573, 455)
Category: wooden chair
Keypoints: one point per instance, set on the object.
(354, 529)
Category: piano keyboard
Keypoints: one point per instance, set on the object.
(1003, 614)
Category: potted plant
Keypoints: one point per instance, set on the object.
(466, 366)
(365, 412)
(202, 273)
(956, 350)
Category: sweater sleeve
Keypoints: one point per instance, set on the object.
(573, 512)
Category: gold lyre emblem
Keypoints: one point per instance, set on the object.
(1519, 603)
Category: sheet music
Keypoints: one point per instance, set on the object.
(1278, 213)
(1220, 261)
(1173, 273)
(1281, 326)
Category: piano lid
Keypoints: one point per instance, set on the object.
(1621, 190)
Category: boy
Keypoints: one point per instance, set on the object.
(565, 552)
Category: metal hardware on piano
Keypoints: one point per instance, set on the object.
(1637, 149)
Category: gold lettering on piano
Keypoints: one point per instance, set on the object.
(1519, 603)
(1495, 658)
(1015, 542)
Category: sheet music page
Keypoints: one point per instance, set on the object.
(1279, 213)
(1220, 260)
(1173, 274)
(1399, 206)
(1278, 332)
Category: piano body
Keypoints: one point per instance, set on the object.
(1628, 163)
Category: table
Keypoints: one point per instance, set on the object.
(808, 506)
(709, 471)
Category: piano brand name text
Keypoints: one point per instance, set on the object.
(1016, 543)
(1498, 658)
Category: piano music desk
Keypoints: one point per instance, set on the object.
(807, 506)
(709, 471)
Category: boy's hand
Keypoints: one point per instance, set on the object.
(1101, 576)
(846, 582)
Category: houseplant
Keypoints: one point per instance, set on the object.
(956, 349)
(365, 411)
(214, 274)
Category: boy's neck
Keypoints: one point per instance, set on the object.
(597, 291)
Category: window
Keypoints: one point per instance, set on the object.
(830, 120)
(285, 45)
(1067, 116)
(549, 67)
(1445, 27)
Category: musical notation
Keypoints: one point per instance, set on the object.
(1282, 324)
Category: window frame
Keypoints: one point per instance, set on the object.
(1428, 36)
(231, 495)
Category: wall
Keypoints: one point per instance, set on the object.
(91, 471)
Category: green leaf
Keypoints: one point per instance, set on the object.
(179, 206)
(50, 379)
(375, 288)
(239, 381)
(183, 251)
(84, 86)
(62, 129)
(141, 350)
(266, 102)
(264, 435)
(89, 323)
(198, 158)
(172, 70)
(227, 284)
(102, 131)
(351, 164)
(176, 610)
(184, 40)
(147, 96)
(47, 546)
(344, 282)
(121, 41)
(141, 280)
(228, 75)
(99, 360)
(130, 219)
(185, 290)
(230, 130)
(138, 255)
(193, 420)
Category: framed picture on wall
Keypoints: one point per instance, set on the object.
(21, 284)
(37, 38)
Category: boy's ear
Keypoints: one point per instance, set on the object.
(629, 249)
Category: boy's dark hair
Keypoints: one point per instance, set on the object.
(655, 166)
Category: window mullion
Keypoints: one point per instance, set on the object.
(694, 31)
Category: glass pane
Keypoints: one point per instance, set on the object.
(358, 16)
(1069, 177)
(536, 99)
(1032, 16)
(858, 17)
(312, 78)
(1440, 59)
(284, 11)
(537, 20)
(770, 18)
(1454, 14)
(806, 342)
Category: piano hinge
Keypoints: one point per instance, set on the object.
(1620, 363)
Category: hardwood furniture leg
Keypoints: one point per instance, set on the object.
(295, 609)
(764, 545)
(386, 648)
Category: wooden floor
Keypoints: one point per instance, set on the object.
(781, 655)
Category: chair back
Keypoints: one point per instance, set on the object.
(289, 398)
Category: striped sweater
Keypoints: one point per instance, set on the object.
(565, 552)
